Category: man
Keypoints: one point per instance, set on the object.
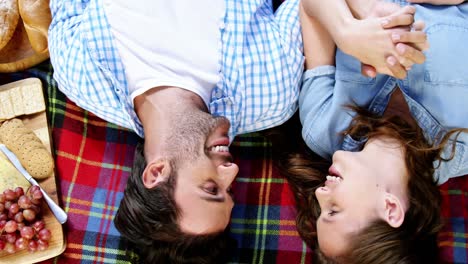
(187, 76)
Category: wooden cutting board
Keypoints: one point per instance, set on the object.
(38, 123)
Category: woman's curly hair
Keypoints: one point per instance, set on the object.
(415, 241)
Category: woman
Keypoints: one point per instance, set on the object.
(378, 202)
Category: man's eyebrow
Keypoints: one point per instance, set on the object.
(213, 199)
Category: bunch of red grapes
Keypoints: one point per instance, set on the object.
(21, 226)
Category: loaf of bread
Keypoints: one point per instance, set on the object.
(29, 149)
(9, 17)
(24, 26)
(36, 19)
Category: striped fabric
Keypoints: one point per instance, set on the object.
(453, 240)
(93, 161)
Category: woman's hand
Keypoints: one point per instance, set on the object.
(409, 46)
(370, 38)
(372, 44)
(408, 38)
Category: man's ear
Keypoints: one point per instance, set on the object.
(393, 211)
(156, 172)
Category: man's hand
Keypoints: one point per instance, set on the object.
(409, 46)
(409, 39)
(369, 42)
(437, 2)
(366, 38)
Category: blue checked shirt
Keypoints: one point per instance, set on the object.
(261, 63)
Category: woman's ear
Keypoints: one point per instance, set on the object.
(156, 172)
(393, 211)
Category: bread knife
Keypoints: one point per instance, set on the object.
(56, 210)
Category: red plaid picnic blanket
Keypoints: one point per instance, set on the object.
(93, 161)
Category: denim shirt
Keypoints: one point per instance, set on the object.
(436, 92)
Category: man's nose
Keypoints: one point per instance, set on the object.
(228, 172)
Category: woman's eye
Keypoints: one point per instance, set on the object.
(332, 213)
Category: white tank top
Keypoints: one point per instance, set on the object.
(168, 43)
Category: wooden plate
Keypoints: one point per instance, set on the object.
(38, 123)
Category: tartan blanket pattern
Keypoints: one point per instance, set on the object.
(94, 159)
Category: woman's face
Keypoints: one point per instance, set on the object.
(362, 187)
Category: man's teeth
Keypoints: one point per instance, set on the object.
(334, 179)
(220, 149)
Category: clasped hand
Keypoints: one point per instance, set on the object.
(391, 42)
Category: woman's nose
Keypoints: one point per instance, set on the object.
(228, 172)
(338, 155)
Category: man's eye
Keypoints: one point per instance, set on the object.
(211, 188)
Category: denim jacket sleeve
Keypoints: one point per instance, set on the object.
(321, 113)
(455, 167)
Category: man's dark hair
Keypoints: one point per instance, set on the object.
(148, 218)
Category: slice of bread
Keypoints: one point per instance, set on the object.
(33, 99)
(6, 106)
(17, 100)
(24, 99)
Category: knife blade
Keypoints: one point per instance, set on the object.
(58, 212)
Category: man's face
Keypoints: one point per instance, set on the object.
(205, 172)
